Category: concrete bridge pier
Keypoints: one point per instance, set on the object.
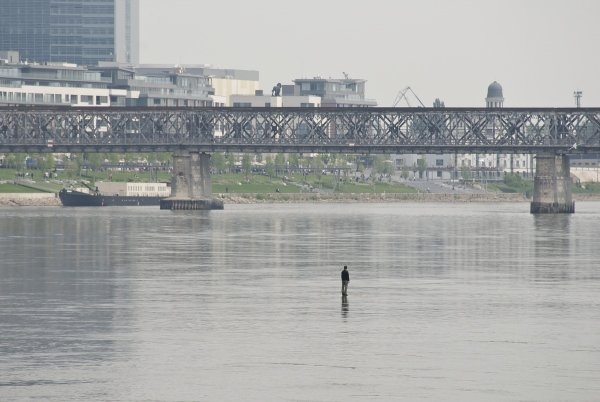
(552, 185)
(191, 186)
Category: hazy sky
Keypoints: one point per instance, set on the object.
(539, 51)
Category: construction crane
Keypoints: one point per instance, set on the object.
(402, 95)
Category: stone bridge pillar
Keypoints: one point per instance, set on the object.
(191, 186)
(552, 185)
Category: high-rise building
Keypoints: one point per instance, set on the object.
(83, 32)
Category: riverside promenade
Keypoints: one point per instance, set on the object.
(51, 200)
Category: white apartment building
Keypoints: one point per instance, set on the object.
(57, 84)
(225, 82)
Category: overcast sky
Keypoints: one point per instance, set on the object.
(539, 51)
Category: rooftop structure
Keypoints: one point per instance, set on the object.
(225, 82)
(346, 92)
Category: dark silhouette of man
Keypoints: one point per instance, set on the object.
(345, 280)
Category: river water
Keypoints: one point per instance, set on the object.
(447, 302)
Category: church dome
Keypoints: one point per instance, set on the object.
(495, 90)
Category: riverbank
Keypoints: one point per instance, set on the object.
(230, 198)
(29, 200)
(52, 200)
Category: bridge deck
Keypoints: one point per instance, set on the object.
(344, 130)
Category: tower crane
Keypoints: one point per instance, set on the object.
(402, 94)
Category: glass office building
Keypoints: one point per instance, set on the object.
(76, 31)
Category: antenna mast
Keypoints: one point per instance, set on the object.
(578, 95)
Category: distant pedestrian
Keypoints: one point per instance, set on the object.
(345, 280)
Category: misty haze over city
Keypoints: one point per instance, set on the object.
(540, 51)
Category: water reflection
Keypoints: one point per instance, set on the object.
(345, 306)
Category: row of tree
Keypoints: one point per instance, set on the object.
(271, 164)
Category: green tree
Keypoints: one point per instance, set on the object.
(465, 173)
(11, 161)
(229, 162)
(113, 158)
(421, 166)
(294, 160)
(360, 166)
(16, 160)
(218, 161)
(49, 162)
(317, 166)
(95, 161)
(246, 164)
(382, 165)
(73, 168)
(333, 159)
(280, 163)
(160, 157)
(270, 167)
(405, 172)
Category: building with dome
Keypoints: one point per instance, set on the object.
(494, 97)
(493, 166)
(480, 167)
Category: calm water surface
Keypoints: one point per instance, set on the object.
(447, 302)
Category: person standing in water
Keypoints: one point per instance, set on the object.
(345, 280)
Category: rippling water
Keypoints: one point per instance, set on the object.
(452, 302)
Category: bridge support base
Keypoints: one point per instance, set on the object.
(191, 186)
(552, 186)
(188, 205)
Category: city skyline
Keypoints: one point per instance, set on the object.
(541, 52)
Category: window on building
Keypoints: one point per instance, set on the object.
(439, 162)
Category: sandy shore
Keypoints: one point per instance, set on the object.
(29, 199)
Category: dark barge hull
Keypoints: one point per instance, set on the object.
(71, 198)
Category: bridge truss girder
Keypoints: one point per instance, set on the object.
(344, 130)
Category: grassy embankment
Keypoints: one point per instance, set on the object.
(240, 183)
(237, 183)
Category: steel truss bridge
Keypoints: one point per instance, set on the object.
(301, 130)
